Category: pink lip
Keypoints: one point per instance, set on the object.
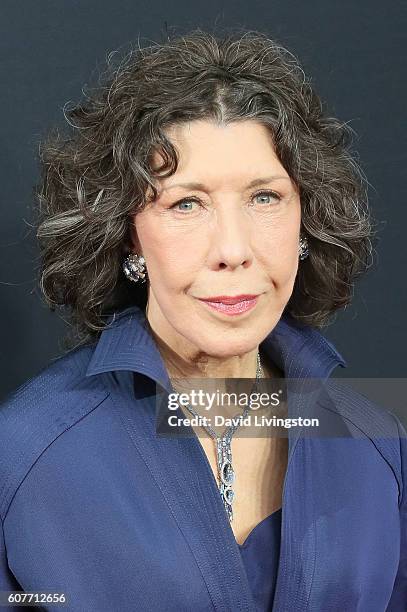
(232, 309)
(230, 299)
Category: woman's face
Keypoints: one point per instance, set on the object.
(226, 223)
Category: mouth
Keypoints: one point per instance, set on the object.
(229, 305)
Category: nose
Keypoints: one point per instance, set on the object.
(230, 244)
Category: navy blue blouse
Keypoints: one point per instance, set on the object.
(260, 554)
(95, 505)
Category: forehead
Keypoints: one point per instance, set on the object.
(209, 151)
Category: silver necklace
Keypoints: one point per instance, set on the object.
(226, 473)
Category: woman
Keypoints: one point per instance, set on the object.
(203, 219)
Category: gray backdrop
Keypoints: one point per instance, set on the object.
(355, 53)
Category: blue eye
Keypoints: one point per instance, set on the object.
(268, 194)
(184, 201)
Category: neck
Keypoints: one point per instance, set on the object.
(197, 364)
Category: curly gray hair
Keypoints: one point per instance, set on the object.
(96, 177)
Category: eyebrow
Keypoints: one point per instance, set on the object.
(254, 183)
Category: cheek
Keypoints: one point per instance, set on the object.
(157, 235)
(164, 248)
(170, 266)
(279, 253)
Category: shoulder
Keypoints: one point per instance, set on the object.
(40, 410)
(369, 419)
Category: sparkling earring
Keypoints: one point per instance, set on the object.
(134, 268)
(303, 248)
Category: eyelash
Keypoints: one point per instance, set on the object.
(255, 195)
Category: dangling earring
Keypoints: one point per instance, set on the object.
(134, 268)
(303, 248)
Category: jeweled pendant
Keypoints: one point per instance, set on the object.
(228, 496)
(227, 473)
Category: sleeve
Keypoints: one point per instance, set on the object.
(398, 600)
